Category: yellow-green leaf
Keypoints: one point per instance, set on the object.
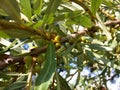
(26, 8)
(37, 6)
(95, 5)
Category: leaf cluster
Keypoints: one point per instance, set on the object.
(54, 40)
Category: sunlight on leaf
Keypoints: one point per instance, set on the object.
(37, 6)
(26, 8)
(95, 5)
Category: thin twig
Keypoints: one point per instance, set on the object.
(28, 86)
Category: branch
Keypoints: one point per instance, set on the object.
(6, 60)
(111, 23)
(6, 25)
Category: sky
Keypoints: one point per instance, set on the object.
(111, 84)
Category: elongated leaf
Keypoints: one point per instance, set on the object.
(85, 21)
(99, 47)
(3, 34)
(14, 30)
(89, 55)
(66, 52)
(59, 31)
(15, 33)
(61, 83)
(37, 6)
(95, 5)
(11, 8)
(104, 28)
(44, 78)
(52, 7)
(3, 13)
(16, 86)
(26, 8)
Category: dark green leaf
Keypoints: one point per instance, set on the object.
(62, 83)
(67, 51)
(59, 31)
(118, 36)
(80, 60)
(11, 8)
(15, 33)
(16, 86)
(89, 55)
(99, 47)
(26, 8)
(44, 78)
(104, 70)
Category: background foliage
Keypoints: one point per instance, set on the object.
(55, 40)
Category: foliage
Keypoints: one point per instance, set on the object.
(47, 38)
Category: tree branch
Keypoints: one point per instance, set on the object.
(6, 60)
(9, 60)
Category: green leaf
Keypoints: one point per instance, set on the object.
(89, 55)
(37, 24)
(62, 83)
(99, 47)
(45, 77)
(26, 8)
(80, 20)
(118, 36)
(67, 51)
(15, 33)
(51, 9)
(3, 34)
(109, 3)
(104, 28)
(16, 86)
(85, 21)
(14, 74)
(3, 13)
(80, 60)
(95, 5)
(4, 76)
(37, 5)
(58, 30)
(11, 8)
(104, 70)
